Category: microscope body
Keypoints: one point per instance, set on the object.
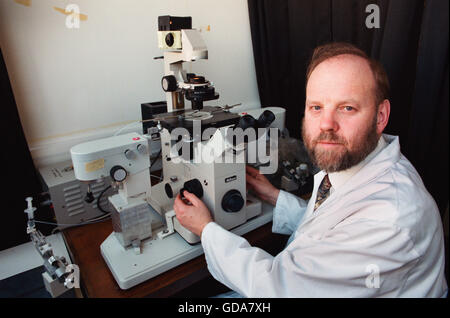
(219, 181)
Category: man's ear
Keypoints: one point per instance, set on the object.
(384, 110)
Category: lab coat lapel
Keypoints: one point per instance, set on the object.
(333, 210)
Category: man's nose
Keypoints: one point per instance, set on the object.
(328, 121)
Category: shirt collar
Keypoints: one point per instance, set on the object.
(337, 179)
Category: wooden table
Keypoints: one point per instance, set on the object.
(190, 278)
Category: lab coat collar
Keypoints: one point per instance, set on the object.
(372, 168)
(338, 179)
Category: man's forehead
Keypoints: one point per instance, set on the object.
(346, 60)
(346, 75)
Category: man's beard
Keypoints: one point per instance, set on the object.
(342, 158)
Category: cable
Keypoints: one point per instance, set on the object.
(126, 126)
(155, 176)
(99, 197)
(156, 158)
(72, 225)
(96, 220)
(105, 216)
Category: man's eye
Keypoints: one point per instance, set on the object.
(315, 107)
(348, 108)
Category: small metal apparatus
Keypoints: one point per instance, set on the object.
(59, 275)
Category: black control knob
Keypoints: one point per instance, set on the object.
(118, 173)
(232, 201)
(169, 83)
(193, 186)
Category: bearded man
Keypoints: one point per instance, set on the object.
(370, 229)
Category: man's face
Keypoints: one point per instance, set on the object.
(340, 124)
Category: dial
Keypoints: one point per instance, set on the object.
(169, 83)
(118, 173)
(232, 201)
(142, 149)
(129, 154)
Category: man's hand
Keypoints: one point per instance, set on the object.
(261, 186)
(193, 215)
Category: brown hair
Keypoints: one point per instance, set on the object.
(327, 51)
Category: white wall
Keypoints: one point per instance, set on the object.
(73, 85)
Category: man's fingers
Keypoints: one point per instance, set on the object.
(177, 199)
(250, 179)
(252, 171)
(192, 198)
(178, 203)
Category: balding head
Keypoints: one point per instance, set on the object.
(333, 50)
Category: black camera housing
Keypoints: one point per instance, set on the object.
(169, 23)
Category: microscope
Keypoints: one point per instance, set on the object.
(203, 130)
(200, 153)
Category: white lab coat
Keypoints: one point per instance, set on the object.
(379, 235)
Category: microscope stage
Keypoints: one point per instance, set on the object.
(159, 255)
(210, 116)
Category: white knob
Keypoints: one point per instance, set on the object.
(142, 149)
(129, 154)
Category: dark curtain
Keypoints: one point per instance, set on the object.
(19, 175)
(411, 43)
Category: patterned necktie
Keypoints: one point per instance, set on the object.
(323, 192)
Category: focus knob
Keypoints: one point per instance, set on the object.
(169, 83)
(193, 186)
(232, 201)
(118, 173)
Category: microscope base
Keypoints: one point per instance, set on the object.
(160, 255)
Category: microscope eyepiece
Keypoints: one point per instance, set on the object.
(266, 118)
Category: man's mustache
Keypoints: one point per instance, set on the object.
(327, 136)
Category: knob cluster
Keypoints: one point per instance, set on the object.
(119, 173)
(130, 154)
